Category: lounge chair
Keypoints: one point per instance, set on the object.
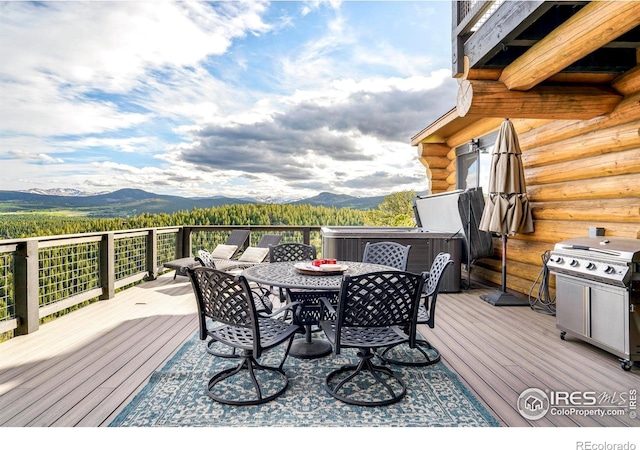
(237, 241)
(249, 257)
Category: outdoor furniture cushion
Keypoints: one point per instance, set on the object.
(254, 254)
(224, 251)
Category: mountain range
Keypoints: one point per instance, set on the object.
(127, 202)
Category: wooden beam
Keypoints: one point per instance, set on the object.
(609, 140)
(437, 162)
(627, 111)
(628, 82)
(493, 99)
(564, 77)
(476, 130)
(608, 164)
(439, 186)
(611, 210)
(597, 188)
(586, 31)
(425, 149)
(479, 74)
(561, 230)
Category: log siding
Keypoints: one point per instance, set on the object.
(580, 174)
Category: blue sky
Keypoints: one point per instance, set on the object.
(269, 100)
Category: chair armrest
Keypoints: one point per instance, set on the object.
(327, 310)
(293, 306)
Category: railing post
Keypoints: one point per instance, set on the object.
(152, 253)
(27, 287)
(306, 235)
(185, 242)
(108, 266)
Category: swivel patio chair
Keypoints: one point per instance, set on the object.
(227, 315)
(426, 314)
(390, 254)
(291, 251)
(372, 311)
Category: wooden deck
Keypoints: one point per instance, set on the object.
(80, 370)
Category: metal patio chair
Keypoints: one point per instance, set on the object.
(227, 314)
(426, 316)
(372, 311)
(390, 254)
(292, 251)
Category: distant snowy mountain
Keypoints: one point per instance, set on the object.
(63, 192)
(136, 201)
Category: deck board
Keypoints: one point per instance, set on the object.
(82, 369)
(514, 348)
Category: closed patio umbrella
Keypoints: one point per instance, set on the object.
(507, 211)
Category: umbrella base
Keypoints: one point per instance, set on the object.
(499, 298)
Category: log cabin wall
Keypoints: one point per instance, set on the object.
(580, 174)
(553, 69)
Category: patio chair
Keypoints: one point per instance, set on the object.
(372, 311)
(291, 251)
(251, 256)
(426, 316)
(227, 314)
(390, 254)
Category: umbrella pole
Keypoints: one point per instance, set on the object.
(502, 297)
(504, 263)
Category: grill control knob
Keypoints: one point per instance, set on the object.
(557, 259)
(609, 269)
(573, 263)
(591, 266)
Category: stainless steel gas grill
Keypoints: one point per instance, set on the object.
(598, 293)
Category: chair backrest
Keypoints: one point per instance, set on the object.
(224, 299)
(291, 251)
(378, 299)
(269, 239)
(432, 286)
(390, 254)
(239, 238)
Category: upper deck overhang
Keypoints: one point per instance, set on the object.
(541, 60)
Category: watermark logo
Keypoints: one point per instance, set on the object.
(533, 404)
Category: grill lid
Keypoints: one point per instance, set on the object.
(607, 260)
(623, 249)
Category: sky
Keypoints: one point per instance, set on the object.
(267, 100)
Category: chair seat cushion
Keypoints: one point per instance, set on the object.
(254, 254)
(224, 251)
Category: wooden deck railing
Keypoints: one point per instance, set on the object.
(42, 276)
(467, 16)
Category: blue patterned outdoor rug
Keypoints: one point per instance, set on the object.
(175, 397)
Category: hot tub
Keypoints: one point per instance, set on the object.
(347, 244)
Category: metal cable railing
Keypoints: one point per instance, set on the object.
(51, 275)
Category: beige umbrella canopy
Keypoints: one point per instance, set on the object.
(507, 211)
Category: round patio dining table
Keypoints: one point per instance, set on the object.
(285, 275)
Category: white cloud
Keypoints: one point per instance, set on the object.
(197, 98)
